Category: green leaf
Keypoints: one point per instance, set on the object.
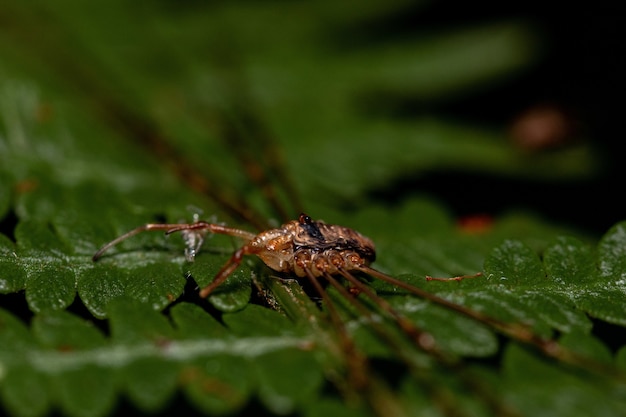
(612, 253)
(537, 387)
(98, 286)
(157, 284)
(570, 262)
(24, 392)
(88, 391)
(460, 335)
(192, 322)
(85, 391)
(259, 321)
(276, 373)
(15, 335)
(587, 346)
(221, 384)
(621, 358)
(12, 275)
(524, 292)
(150, 383)
(216, 112)
(64, 332)
(137, 322)
(609, 285)
(50, 280)
(5, 194)
(514, 264)
(41, 296)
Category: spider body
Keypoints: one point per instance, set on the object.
(304, 244)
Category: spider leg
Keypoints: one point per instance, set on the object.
(422, 338)
(357, 364)
(410, 332)
(229, 267)
(147, 227)
(428, 296)
(213, 228)
(170, 228)
(519, 332)
(457, 278)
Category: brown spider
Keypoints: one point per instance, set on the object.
(314, 249)
(303, 247)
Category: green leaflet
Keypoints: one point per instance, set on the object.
(5, 193)
(25, 392)
(517, 287)
(554, 294)
(610, 285)
(276, 373)
(526, 376)
(150, 383)
(157, 284)
(12, 275)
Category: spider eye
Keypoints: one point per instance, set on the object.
(304, 219)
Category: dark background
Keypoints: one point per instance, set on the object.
(580, 76)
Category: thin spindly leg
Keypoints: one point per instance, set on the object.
(147, 227)
(516, 331)
(422, 338)
(169, 228)
(213, 228)
(228, 268)
(457, 278)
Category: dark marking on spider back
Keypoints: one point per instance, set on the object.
(319, 237)
(311, 228)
